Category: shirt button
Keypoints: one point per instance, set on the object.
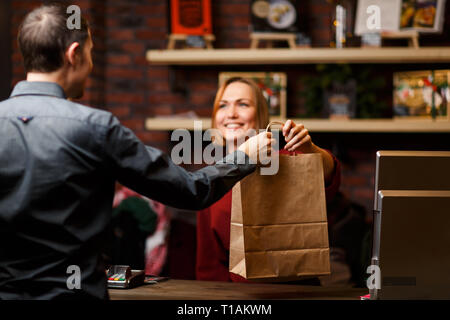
(25, 119)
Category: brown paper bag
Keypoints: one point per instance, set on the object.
(279, 229)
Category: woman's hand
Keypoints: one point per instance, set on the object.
(297, 137)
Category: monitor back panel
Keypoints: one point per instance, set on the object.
(412, 170)
(414, 247)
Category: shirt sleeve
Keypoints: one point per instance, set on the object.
(152, 173)
(333, 183)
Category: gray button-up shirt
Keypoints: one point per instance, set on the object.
(59, 162)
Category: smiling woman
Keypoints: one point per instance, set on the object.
(236, 112)
(239, 108)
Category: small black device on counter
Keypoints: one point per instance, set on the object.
(123, 277)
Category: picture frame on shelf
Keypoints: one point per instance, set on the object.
(398, 16)
(190, 17)
(421, 94)
(190, 22)
(278, 22)
(340, 101)
(274, 16)
(426, 16)
(273, 86)
(376, 16)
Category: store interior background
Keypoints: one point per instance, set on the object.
(124, 83)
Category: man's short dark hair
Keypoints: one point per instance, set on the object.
(44, 37)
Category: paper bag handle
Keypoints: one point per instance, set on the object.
(268, 128)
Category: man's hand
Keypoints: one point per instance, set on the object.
(259, 147)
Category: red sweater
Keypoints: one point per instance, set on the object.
(213, 234)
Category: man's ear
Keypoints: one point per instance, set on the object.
(72, 52)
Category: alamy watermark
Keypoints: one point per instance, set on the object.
(373, 22)
(215, 151)
(374, 280)
(74, 20)
(74, 278)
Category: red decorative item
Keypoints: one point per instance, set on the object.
(191, 17)
(426, 81)
(429, 84)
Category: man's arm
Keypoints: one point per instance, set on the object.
(152, 173)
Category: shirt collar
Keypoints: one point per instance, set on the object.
(39, 88)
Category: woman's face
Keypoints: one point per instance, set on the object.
(237, 111)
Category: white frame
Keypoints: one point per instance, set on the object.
(390, 12)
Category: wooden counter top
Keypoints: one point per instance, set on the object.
(209, 290)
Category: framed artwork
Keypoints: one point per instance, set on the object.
(340, 101)
(399, 15)
(388, 14)
(272, 84)
(274, 16)
(422, 15)
(421, 93)
(190, 17)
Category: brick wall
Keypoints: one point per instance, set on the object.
(125, 84)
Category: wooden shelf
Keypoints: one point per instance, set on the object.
(306, 56)
(321, 125)
(299, 56)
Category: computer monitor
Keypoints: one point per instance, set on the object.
(405, 171)
(412, 170)
(414, 247)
